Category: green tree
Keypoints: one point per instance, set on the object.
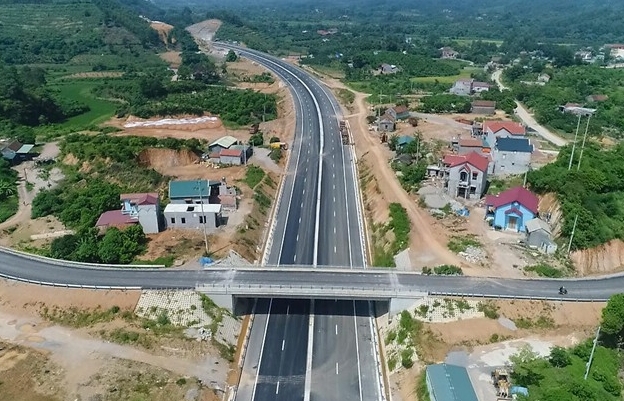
(111, 246)
(231, 56)
(613, 315)
(6, 189)
(559, 357)
(526, 367)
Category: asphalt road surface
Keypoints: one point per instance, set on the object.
(322, 213)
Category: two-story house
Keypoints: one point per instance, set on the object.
(492, 130)
(512, 155)
(466, 175)
(193, 216)
(192, 191)
(138, 208)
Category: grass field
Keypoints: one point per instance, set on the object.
(80, 91)
(467, 41)
(335, 73)
(465, 73)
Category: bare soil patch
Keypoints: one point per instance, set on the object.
(95, 74)
(173, 58)
(561, 324)
(163, 30)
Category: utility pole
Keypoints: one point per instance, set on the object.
(526, 173)
(572, 235)
(583, 145)
(591, 356)
(578, 124)
(203, 215)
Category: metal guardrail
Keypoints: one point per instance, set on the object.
(515, 297)
(339, 292)
(69, 263)
(75, 286)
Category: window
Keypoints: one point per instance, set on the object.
(183, 220)
(188, 201)
(202, 219)
(463, 176)
(173, 220)
(475, 176)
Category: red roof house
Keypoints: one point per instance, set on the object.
(115, 218)
(511, 127)
(512, 208)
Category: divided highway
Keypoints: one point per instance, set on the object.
(313, 350)
(302, 350)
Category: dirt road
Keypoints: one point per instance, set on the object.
(424, 241)
(527, 118)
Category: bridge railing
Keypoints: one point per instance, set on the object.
(514, 297)
(68, 263)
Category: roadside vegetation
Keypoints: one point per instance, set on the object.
(104, 167)
(9, 200)
(398, 229)
(560, 375)
(590, 191)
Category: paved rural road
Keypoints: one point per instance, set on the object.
(527, 118)
(23, 268)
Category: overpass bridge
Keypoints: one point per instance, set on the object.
(298, 281)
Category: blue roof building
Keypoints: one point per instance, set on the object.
(191, 191)
(514, 145)
(404, 140)
(449, 383)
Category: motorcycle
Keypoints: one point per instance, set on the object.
(563, 291)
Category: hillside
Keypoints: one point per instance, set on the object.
(57, 31)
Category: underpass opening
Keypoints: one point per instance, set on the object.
(242, 306)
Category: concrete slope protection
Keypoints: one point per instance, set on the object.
(336, 241)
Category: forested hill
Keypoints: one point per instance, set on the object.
(55, 31)
(590, 21)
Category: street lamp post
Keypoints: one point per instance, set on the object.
(203, 215)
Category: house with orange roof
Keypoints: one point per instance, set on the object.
(465, 175)
(492, 130)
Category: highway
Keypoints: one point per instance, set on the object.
(320, 226)
(325, 344)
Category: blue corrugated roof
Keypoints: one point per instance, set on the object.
(514, 145)
(189, 189)
(404, 140)
(450, 383)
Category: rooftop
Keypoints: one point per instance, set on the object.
(400, 109)
(450, 383)
(471, 142)
(190, 189)
(405, 139)
(182, 208)
(514, 145)
(115, 218)
(484, 103)
(510, 126)
(231, 152)
(140, 198)
(537, 224)
(472, 158)
(517, 194)
(224, 142)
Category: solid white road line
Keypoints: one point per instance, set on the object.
(266, 326)
(308, 375)
(357, 350)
